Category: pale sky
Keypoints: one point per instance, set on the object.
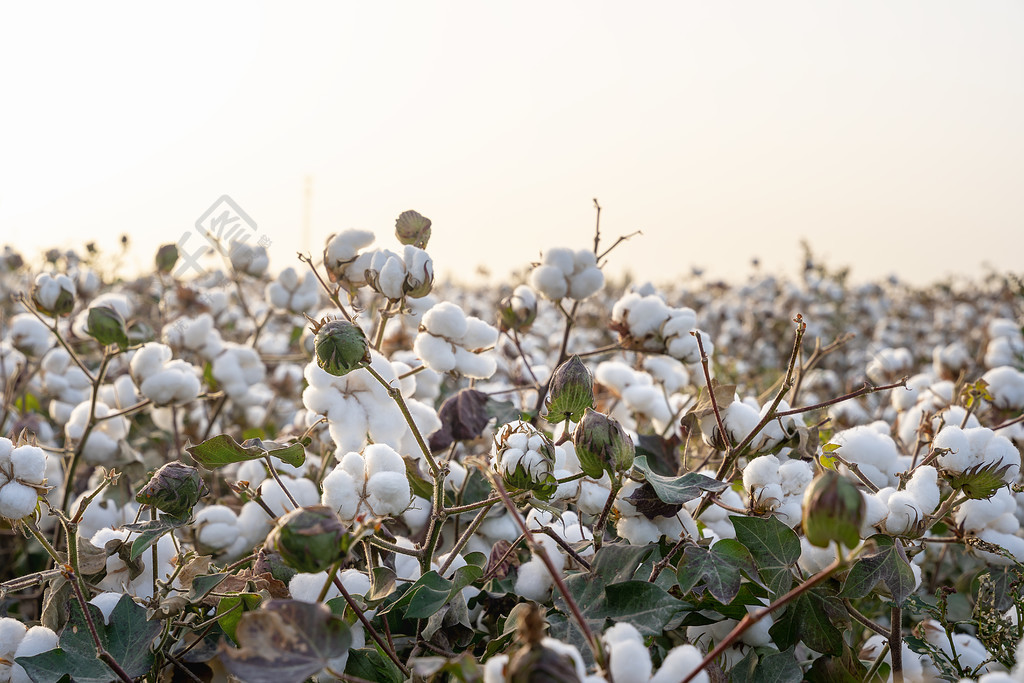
(889, 134)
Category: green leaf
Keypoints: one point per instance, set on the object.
(203, 585)
(845, 669)
(767, 667)
(808, 619)
(369, 664)
(286, 641)
(128, 639)
(231, 609)
(223, 450)
(420, 486)
(773, 545)
(720, 568)
(150, 531)
(647, 606)
(886, 566)
(678, 490)
(431, 592)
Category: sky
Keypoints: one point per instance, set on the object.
(886, 134)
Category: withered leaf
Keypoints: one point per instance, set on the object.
(285, 641)
(463, 417)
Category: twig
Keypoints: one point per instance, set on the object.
(864, 390)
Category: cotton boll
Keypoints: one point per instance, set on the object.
(478, 334)
(388, 493)
(629, 661)
(637, 530)
(417, 514)
(593, 496)
(875, 510)
(437, 353)
(105, 603)
(795, 476)
(307, 587)
(12, 632)
(813, 559)
(761, 472)
(533, 581)
(924, 487)
(1006, 385)
(550, 281)
(586, 283)
(29, 464)
(382, 458)
(17, 500)
(904, 514)
(37, 640)
(445, 320)
(678, 664)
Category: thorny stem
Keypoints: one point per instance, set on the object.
(381, 643)
(754, 617)
(556, 575)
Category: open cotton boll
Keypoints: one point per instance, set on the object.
(761, 472)
(382, 458)
(11, 633)
(876, 453)
(629, 658)
(102, 445)
(303, 490)
(216, 527)
(307, 587)
(533, 581)
(36, 640)
(344, 247)
(445, 320)
(642, 316)
(550, 281)
(678, 664)
(388, 493)
(29, 335)
(238, 368)
(105, 603)
(1006, 385)
(905, 514)
(924, 487)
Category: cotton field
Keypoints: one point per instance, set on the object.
(342, 468)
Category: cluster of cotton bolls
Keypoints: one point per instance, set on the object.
(993, 520)
(451, 341)
(360, 411)
(567, 273)
(641, 397)
(220, 530)
(873, 451)
(162, 380)
(369, 483)
(290, 293)
(903, 512)
(648, 323)
(103, 442)
(1005, 344)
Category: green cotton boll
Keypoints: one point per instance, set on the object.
(571, 392)
(602, 445)
(106, 326)
(174, 489)
(310, 539)
(340, 347)
(833, 510)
